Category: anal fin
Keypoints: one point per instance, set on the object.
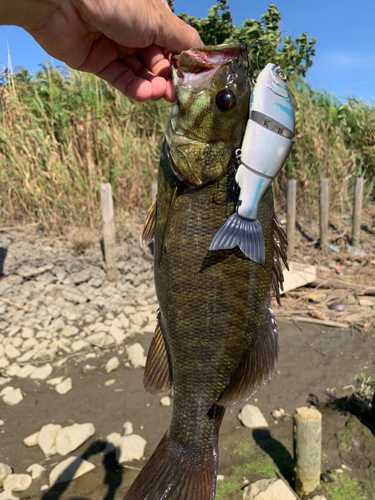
(257, 365)
(157, 375)
(149, 228)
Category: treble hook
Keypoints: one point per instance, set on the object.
(246, 49)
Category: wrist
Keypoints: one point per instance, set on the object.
(27, 14)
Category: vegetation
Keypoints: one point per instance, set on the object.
(62, 133)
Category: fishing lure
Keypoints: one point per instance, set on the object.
(265, 147)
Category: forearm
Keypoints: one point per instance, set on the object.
(27, 14)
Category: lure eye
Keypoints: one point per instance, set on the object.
(225, 100)
(282, 75)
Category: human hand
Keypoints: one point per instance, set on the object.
(125, 42)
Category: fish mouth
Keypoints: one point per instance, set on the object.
(199, 64)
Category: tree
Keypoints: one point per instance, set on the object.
(295, 57)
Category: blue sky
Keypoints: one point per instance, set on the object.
(345, 52)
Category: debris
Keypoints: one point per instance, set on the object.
(337, 306)
(268, 489)
(112, 365)
(356, 251)
(252, 417)
(298, 275)
(69, 469)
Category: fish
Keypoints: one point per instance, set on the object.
(216, 339)
(265, 148)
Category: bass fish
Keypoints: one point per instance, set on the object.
(216, 340)
(265, 148)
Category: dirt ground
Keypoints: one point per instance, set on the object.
(303, 376)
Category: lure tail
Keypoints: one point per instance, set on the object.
(175, 473)
(247, 234)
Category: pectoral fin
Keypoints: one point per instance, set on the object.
(149, 228)
(256, 366)
(157, 375)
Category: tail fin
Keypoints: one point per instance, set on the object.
(245, 233)
(174, 473)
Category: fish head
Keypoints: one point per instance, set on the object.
(210, 113)
(271, 96)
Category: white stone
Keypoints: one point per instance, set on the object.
(319, 497)
(16, 342)
(36, 470)
(111, 442)
(136, 319)
(26, 371)
(69, 469)
(97, 339)
(118, 334)
(268, 489)
(6, 390)
(2, 422)
(42, 372)
(31, 440)
(129, 310)
(29, 344)
(13, 369)
(78, 345)
(11, 351)
(124, 320)
(136, 355)
(252, 417)
(3, 363)
(8, 495)
(27, 332)
(55, 381)
(64, 386)
(26, 356)
(72, 437)
(112, 365)
(110, 382)
(47, 439)
(130, 448)
(4, 380)
(4, 471)
(70, 331)
(128, 428)
(45, 487)
(17, 482)
(166, 401)
(13, 398)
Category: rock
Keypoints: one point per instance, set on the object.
(16, 341)
(5, 470)
(31, 440)
(3, 363)
(252, 417)
(319, 497)
(27, 332)
(110, 382)
(6, 390)
(136, 355)
(13, 398)
(78, 345)
(45, 487)
(129, 448)
(64, 386)
(136, 319)
(118, 334)
(366, 301)
(8, 495)
(166, 401)
(42, 372)
(80, 277)
(123, 320)
(112, 441)
(26, 371)
(129, 310)
(97, 339)
(128, 428)
(27, 271)
(72, 295)
(70, 438)
(11, 352)
(268, 489)
(69, 469)
(55, 381)
(47, 439)
(112, 365)
(17, 482)
(29, 344)
(27, 356)
(2, 422)
(69, 331)
(13, 369)
(36, 470)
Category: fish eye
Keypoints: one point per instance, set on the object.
(225, 100)
(282, 75)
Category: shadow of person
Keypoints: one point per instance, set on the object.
(276, 450)
(113, 473)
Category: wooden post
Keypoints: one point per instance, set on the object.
(357, 209)
(108, 230)
(291, 193)
(154, 190)
(324, 205)
(307, 434)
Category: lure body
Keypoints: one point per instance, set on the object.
(266, 145)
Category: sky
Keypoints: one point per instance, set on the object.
(345, 51)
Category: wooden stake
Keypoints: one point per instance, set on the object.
(307, 433)
(357, 209)
(108, 230)
(291, 193)
(324, 205)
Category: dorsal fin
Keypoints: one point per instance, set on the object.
(279, 254)
(148, 231)
(256, 366)
(157, 375)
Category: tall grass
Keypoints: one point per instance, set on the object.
(63, 133)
